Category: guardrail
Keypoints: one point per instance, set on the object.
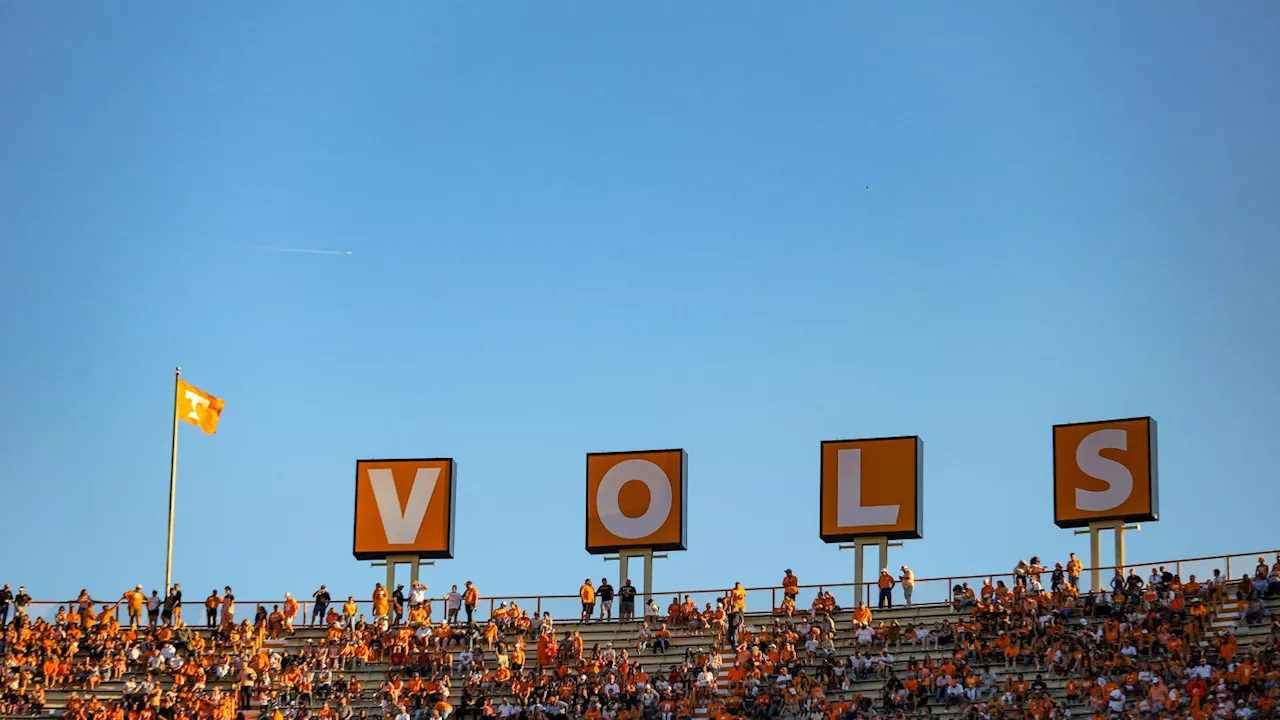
(760, 600)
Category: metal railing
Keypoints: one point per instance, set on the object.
(929, 591)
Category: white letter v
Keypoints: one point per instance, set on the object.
(402, 528)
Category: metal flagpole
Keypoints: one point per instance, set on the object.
(173, 483)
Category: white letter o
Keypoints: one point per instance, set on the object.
(611, 516)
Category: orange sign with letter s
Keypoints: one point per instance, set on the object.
(1105, 470)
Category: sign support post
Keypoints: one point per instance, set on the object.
(1095, 547)
(624, 574)
(413, 561)
(857, 547)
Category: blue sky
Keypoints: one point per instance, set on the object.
(739, 228)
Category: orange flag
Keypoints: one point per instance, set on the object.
(199, 407)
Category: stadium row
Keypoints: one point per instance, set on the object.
(1156, 645)
(762, 599)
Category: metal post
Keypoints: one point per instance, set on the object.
(861, 586)
(1095, 552)
(173, 482)
(856, 547)
(648, 576)
(1095, 547)
(859, 589)
(1120, 547)
(624, 569)
(623, 559)
(413, 561)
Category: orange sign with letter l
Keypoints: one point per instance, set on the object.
(404, 507)
(637, 500)
(872, 488)
(1105, 470)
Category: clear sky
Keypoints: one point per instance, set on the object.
(739, 228)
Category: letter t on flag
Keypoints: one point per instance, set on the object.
(199, 407)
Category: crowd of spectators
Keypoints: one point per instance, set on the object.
(81, 647)
(1141, 649)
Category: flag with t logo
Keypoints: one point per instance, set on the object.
(198, 407)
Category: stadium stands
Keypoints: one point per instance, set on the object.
(1027, 646)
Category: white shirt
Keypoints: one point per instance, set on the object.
(453, 600)
(417, 595)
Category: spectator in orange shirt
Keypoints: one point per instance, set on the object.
(587, 593)
(861, 615)
(790, 586)
(133, 602)
(211, 605)
(1074, 566)
(470, 597)
(886, 583)
(738, 597)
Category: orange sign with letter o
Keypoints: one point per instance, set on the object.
(636, 500)
(404, 507)
(1105, 470)
(872, 488)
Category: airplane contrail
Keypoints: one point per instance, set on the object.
(302, 250)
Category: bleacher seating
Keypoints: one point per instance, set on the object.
(1024, 656)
